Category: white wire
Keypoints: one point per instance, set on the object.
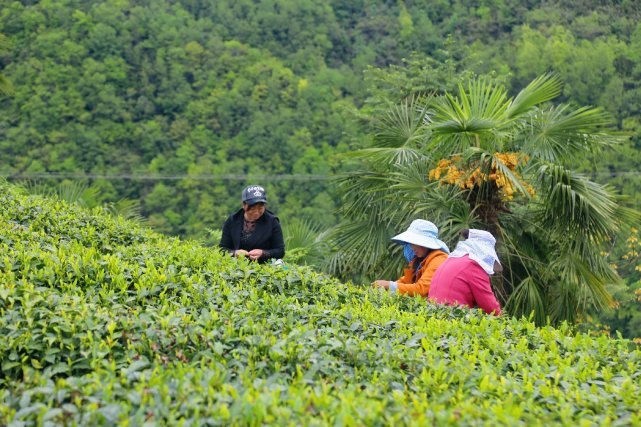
(221, 177)
(161, 177)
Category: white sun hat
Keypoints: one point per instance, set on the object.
(479, 246)
(422, 233)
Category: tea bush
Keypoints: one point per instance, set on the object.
(103, 322)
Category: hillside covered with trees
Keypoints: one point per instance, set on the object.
(220, 89)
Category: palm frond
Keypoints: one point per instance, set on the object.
(576, 288)
(416, 197)
(560, 132)
(524, 243)
(127, 209)
(542, 89)
(364, 193)
(73, 192)
(485, 100)
(214, 234)
(402, 125)
(590, 253)
(304, 242)
(627, 215)
(410, 179)
(474, 119)
(382, 157)
(359, 243)
(470, 127)
(78, 192)
(36, 187)
(450, 118)
(300, 233)
(563, 303)
(576, 205)
(528, 300)
(444, 206)
(337, 264)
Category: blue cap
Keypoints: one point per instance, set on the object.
(254, 194)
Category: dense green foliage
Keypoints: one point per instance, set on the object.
(105, 322)
(135, 89)
(5, 85)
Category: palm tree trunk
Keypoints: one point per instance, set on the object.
(487, 203)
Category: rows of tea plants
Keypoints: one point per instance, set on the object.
(104, 322)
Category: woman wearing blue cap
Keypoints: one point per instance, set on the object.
(424, 252)
(253, 231)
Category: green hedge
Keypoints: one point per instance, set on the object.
(104, 322)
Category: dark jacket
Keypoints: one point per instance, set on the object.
(267, 236)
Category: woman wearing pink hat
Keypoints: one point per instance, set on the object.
(424, 252)
(464, 279)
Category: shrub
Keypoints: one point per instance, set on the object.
(105, 322)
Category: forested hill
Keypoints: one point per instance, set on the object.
(222, 89)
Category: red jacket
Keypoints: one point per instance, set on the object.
(407, 285)
(461, 281)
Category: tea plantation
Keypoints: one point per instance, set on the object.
(103, 322)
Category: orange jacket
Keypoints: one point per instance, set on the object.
(421, 287)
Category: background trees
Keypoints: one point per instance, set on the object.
(235, 88)
(5, 85)
(122, 89)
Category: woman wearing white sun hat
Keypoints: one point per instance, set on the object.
(424, 252)
(464, 279)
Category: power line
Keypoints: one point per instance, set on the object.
(217, 177)
(163, 177)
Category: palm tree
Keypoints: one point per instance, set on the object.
(81, 194)
(304, 243)
(481, 159)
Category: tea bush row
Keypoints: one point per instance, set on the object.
(104, 322)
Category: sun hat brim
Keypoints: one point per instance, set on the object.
(252, 202)
(420, 240)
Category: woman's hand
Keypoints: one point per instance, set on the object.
(241, 253)
(254, 254)
(381, 284)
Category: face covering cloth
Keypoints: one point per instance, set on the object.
(408, 253)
